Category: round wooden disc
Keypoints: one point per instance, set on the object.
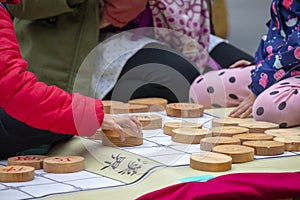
(228, 131)
(126, 108)
(15, 173)
(238, 153)
(206, 144)
(184, 110)
(149, 121)
(154, 104)
(283, 132)
(35, 161)
(189, 135)
(228, 121)
(109, 104)
(258, 126)
(112, 138)
(253, 137)
(63, 164)
(169, 126)
(212, 162)
(291, 143)
(266, 148)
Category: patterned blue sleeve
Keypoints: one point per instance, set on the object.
(278, 56)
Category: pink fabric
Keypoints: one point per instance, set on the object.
(234, 186)
(185, 25)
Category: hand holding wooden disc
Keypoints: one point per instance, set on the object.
(149, 121)
(112, 138)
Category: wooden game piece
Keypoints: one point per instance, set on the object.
(283, 132)
(169, 126)
(238, 153)
(63, 164)
(109, 104)
(228, 131)
(149, 121)
(228, 121)
(154, 104)
(189, 135)
(15, 173)
(35, 161)
(266, 148)
(291, 143)
(126, 108)
(258, 126)
(212, 162)
(253, 137)
(112, 138)
(185, 110)
(206, 144)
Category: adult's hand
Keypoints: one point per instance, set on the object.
(245, 108)
(117, 123)
(240, 63)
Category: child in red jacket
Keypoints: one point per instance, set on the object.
(33, 113)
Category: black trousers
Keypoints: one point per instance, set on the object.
(16, 136)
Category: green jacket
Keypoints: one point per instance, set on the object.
(69, 30)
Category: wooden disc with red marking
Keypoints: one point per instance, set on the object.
(184, 110)
(228, 131)
(207, 144)
(258, 126)
(210, 161)
(112, 138)
(63, 164)
(154, 104)
(149, 121)
(283, 132)
(109, 104)
(228, 121)
(266, 148)
(238, 153)
(35, 161)
(291, 143)
(15, 173)
(189, 135)
(126, 108)
(253, 137)
(169, 126)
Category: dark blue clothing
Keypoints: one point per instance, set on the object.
(278, 55)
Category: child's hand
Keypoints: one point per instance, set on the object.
(245, 108)
(240, 63)
(117, 123)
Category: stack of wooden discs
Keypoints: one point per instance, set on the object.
(210, 161)
(238, 153)
(63, 164)
(169, 126)
(291, 143)
(109, 104)
(189, 135)
(208, 143)
(266, 148)
(228, 121)
(228, 131)
(149, 121)
(126, 108)
(112, 138)
(35, 161)
(15, 173)
(184, 110)
(253, 137)
(258, 126)
(154, 104)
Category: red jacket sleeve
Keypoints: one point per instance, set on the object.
(120, 12)
(35, 103)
